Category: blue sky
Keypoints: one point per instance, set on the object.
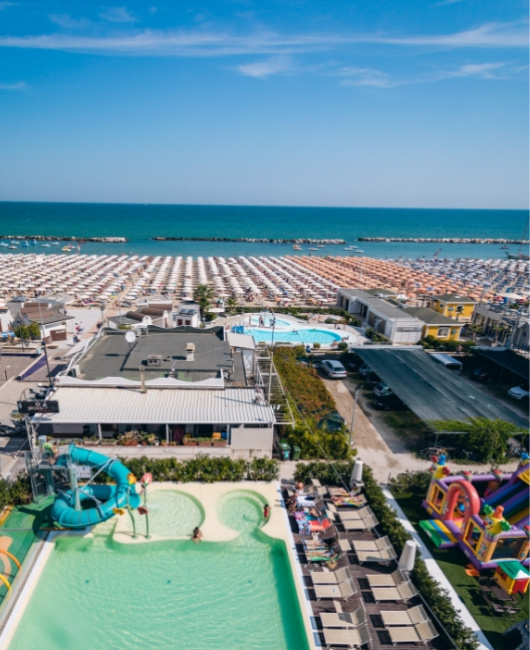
(381, 103)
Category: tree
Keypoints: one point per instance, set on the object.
(459, 311)
(203, 295)
(475, 329)
(31, 331)
(486, 439)
(231, 305)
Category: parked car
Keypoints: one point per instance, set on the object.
(334, 369)
(482, 375)
(519, 392)
(364, 370)
(388, 403)
(382, 390)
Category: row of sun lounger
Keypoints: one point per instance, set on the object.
(351, 629)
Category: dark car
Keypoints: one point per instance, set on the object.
(364, 370)
(388, 403)
(382, 390)
(482, 375)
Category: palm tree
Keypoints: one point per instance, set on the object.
(231, 305)
(459, 311)
(203, 295)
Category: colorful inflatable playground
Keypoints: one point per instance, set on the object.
(486, 515)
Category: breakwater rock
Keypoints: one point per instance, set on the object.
(445, 240)
(255, 240)
(80, 240)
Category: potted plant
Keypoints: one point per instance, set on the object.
(204, 442)
(219, 443)
(188, 441)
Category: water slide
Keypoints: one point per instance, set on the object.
(104, 498)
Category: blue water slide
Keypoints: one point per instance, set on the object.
(104, 497)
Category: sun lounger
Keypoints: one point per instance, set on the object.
(400, 593)
(349, 501)
(371, 544)
(410, 616)
(386, 555)
(330, 577)
(352, 638)
(360, 524)
(393, 579)
(344, 619)
(343, 590)
(420, 633)
(323, 557)
(363, 513)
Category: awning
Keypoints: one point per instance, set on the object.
(432, 391)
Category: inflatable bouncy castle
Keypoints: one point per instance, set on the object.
(486, 515)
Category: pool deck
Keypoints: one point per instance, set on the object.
(380, 637)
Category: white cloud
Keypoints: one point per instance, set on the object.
(19, 85)
(201, 43)
(262, 69)
(379, 79)
(117, 15)
(63, 20)
(447, 2)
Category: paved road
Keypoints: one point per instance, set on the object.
(385, 452)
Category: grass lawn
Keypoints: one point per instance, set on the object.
(453, 562)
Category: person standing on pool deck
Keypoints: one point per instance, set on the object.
(266, 511)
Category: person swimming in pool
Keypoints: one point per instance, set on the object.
(197, 535)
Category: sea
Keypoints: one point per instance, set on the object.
(140, 223)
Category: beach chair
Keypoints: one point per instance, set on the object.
(323, 557)
(344, 619)
(371, 544)
(410, 616)
(359, 524)
(381, 557)
(420, 633)
(330, 577)
(353, 638)
(393, 579)
(342, 590)
(402, 592)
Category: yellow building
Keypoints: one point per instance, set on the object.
(453, 306)
(436, 324)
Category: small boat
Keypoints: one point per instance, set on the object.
(296, 247)
(46, 245)
(504, 247)
(349, 248)
(313, 248)
(25, 244)
(67, 249)
(321, 246)
(4, 244)
(15, 247)
(33, 242)
(55, 243)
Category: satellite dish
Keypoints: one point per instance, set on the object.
(130, 337)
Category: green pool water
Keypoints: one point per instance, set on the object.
(169, 594)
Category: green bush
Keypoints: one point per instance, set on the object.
(16, 493)
(326, 473)
(342, 346)
(263, 469)
(316, 346)
(411, 483)
(486, 439)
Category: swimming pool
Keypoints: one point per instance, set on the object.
(302, 335)
(267, 321)
(167, 594)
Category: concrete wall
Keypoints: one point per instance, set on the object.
(258, 441)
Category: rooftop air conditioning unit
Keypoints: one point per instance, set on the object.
(154, 361)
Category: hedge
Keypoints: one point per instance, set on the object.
(390, 525)
(16, 493)
(203, 469)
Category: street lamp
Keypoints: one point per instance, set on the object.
(43, 343)
(5, 371)
(355, 392)
(270, 368)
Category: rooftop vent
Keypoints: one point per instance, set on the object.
(154, 361)
(190, 351)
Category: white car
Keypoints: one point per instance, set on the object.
(334, 369)
(519, 392)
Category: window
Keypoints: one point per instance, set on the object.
(443, 332)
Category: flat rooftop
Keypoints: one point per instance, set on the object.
(161, 353)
